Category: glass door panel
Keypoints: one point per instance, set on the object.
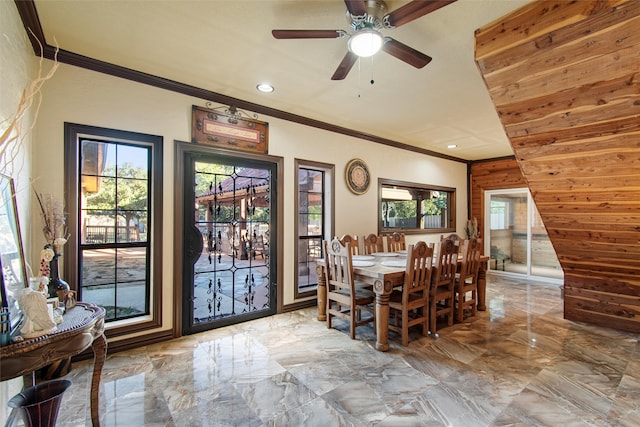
(508, 231)
(517, 239)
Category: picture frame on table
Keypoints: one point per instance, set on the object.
(12, 263)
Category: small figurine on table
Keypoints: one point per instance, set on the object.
(37, 319)
(70, 300)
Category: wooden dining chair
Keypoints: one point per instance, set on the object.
(354, 243)
(395, 242)
(410, 306)
(441, 295)
(466, 287)
(372, 244)
(344, 299)
(452, 236)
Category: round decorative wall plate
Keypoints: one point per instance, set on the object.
(357, 176)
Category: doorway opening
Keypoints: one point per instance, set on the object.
(516, 237)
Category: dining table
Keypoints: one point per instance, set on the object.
(384, 272)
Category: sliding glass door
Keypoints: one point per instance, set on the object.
(516, 238)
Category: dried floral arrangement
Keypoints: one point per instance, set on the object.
(54, 222)
(471, 228)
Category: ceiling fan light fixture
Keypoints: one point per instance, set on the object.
(365, 42)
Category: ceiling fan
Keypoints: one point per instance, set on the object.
(366, 20)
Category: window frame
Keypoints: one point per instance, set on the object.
(73, 134)
(385, 182)
(328, 213)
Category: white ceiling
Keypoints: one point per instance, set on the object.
(226, 46)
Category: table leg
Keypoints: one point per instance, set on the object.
(321, 293)
(383, 291)
(28, 380)
(99, 347)
(482, 286)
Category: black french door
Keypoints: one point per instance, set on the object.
(229, 219)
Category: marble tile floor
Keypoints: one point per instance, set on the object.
(517, 364)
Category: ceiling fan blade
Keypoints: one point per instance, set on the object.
(413, 10)
(307, 34)
(356, 7)
(405, 53)
(345, 66)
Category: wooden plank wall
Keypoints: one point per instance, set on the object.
(565, 80)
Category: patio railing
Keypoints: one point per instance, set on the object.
(109, 234)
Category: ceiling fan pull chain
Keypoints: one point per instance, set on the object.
(372, 81)
(359, 78)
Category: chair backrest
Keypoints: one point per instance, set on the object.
(470, 249)
(447, 262)
(475, 251)
(258, 241)
(417, 276)
(353, 243)
(372, 244)
(452, 236)
(395, 242)
(257, 245)
(339, 265)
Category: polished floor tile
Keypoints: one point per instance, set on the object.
(517, 364)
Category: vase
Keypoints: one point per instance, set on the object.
(40, 404)
(58, 288)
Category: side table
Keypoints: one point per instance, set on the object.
(82, 327)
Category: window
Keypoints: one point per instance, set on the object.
(499, 214)
(114, 199)
(314, 221)
(415, 208)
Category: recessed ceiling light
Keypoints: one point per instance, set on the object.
(452, 146)
(265, 87)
